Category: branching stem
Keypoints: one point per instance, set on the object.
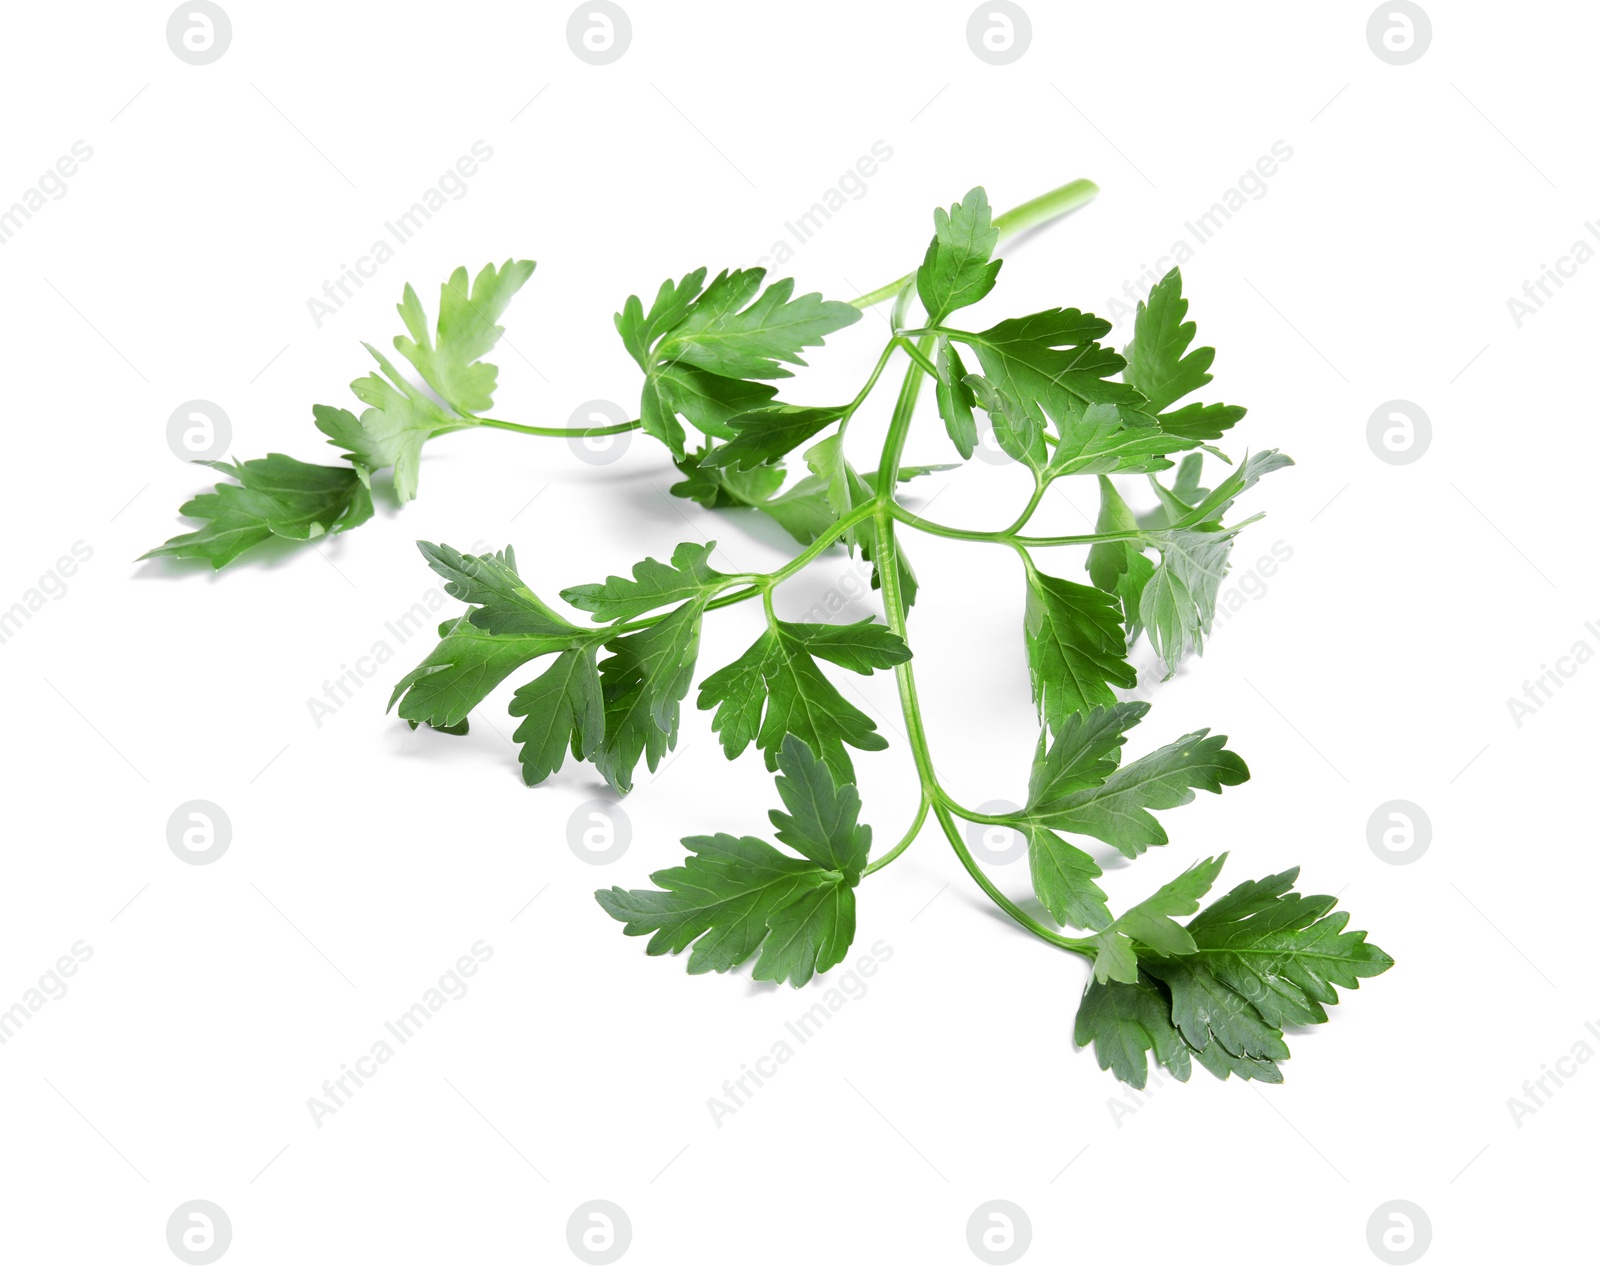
(884, 511)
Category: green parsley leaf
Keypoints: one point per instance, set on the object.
(955, 399)
(458, 674)
(1150, 923)
(507, 628)
(1119, 567)
(775, 690)
(564, 708)
(1063, 879)
(644, 680)
(1161, 366)
(719, 900)
(700, 345)
(764, 435)
(1018, 432)
(708, 401)
(1076, 647)
(503, 603)
(1050, 368)
(1126, 1022)
(1282, 951)
(718, 489)
(1179, 601)
(728, 331)
(957, 270)
(453, 366)
(1086, 751)
(737, 896)
(274, 496)
(1257, 959)
(1077, 788)
(1240, 480)
(392, 431)
(1209, 1014)
(654, 584)
(822, 819)
(1097, 443)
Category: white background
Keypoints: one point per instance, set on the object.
(1375, 665)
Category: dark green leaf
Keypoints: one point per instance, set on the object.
(654, 584)
(274, 496)
(1116, 811)
(1126, 1022)
(775, 690)
(764, 435)
(644, 680)
(735, 896)
(563, 709)
(1063, 879)
(1076, 647)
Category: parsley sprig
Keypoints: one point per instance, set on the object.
(1169, 980)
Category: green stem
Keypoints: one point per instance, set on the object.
(872, 381)
(1008, 536)
(942, 812)
(894, 443)
(1021, 521)
(913, 351)
(761, 584)
(559, 432)
(1046, 207)
(1031, 214)
(886, 559)
(905, 840)
(983, 819)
